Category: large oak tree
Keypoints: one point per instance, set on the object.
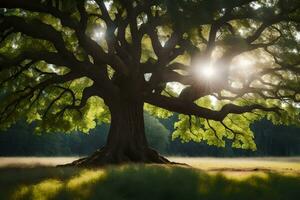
(222, 64)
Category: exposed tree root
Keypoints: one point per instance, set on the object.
(105, 156)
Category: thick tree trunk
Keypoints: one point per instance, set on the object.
(126, 141)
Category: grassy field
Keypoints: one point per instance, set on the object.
(205, 178)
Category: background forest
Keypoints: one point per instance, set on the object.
(21, 140)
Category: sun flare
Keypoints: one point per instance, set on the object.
(98, 34)
(205, 71)
(208, 71)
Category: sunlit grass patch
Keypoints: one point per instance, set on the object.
(19, 181)
(81, 185)
(244, 167)
(206, 178)
(147, 182)
(86, 177)
(78, 185)
(42, 191)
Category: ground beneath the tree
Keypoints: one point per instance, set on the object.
(205, 178)
(290, 165)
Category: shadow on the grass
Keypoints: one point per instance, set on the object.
(141, 182)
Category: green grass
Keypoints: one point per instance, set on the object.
(244, 167)
(153, 182)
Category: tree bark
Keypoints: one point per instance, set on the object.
(126, 142)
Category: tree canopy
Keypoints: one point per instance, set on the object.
(221, 64)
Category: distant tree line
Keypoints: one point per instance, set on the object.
(21, 140)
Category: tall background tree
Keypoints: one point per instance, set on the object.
(221, 64)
